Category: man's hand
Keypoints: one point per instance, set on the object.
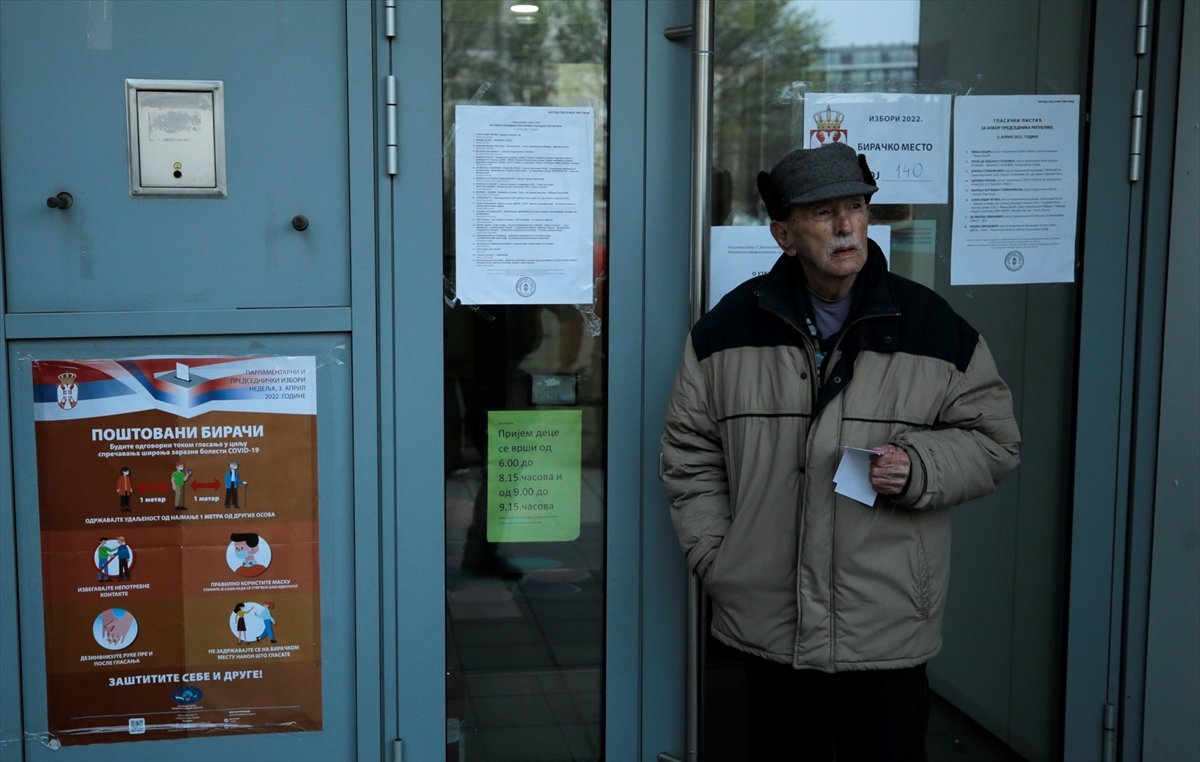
(889, 469)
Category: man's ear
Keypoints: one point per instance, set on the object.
(771, 197)
(782, 236)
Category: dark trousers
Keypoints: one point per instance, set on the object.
(803, 714)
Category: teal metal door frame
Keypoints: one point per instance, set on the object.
(1095, 513)
(666, 317)
(371, 630)
(648, 318)
(1119, 388)
(12, 719)
(413, 532)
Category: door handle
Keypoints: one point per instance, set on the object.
(61, 201)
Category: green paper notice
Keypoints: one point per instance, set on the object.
(534, 463)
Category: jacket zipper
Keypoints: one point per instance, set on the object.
(816, 388)
(833, 358)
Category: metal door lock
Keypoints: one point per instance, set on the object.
(300, 222)
(61, 201)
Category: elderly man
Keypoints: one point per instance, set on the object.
(836, 605)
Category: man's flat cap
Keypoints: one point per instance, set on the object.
(808, 175)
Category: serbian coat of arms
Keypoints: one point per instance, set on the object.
(68, 391)
(829, 128)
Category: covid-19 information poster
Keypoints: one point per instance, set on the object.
(180, 563)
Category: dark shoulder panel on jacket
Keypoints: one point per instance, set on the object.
(930, 326)
(737, 321)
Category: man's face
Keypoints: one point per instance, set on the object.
(830, 239)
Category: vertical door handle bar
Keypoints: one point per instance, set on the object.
(701, 213)
(702, 93)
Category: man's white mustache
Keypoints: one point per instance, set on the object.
(849, 242)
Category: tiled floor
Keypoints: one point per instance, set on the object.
(535, 715)
(526, 655)
(955, 737)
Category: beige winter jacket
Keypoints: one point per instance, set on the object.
(796, 573)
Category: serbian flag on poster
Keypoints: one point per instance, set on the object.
(183, 386)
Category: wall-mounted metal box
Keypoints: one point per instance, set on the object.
(176, 138)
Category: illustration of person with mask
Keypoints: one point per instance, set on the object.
(124, 556)
(232, 481)
(124, 487)
(240, 612)
(179, 479)
(264, 612)
(243, 554)
(104, 556)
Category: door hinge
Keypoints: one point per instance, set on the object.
(389, 18)
(1137, 135)
(392, 142)
(1142, 40)
(397, 750)
(1108, 734)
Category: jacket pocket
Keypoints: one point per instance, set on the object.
(922, 576)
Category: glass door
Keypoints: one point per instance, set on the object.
(1001, 663)
(525, 190)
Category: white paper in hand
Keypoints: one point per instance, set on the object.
(853, 475)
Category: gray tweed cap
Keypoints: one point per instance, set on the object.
(808, 175)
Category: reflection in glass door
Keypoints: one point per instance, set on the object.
(1001, 662)
(524, 607)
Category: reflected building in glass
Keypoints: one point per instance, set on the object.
(881, 63)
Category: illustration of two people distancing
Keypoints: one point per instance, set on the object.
(179, 479)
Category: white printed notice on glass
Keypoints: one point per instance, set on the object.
(524, 204)
(905, 137)
(1016, 189)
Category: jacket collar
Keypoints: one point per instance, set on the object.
(783, 291)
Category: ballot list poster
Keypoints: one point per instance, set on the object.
(179, 539)
(1016, 189)
(524, 206)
